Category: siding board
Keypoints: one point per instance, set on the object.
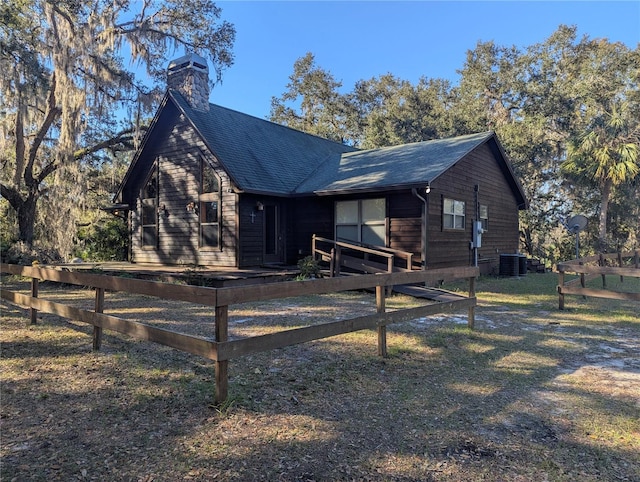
(448, 247)
(178, 155)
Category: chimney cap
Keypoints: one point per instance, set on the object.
(191, 60)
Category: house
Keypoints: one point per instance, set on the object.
(214, 187)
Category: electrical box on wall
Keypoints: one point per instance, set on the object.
(476, 239)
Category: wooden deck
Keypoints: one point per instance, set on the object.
(214, 277)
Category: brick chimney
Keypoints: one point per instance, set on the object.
(189, 75)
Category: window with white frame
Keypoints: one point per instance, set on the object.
(361, 221)
(149, 210)
(453, 214)
(484, 217)
(209, 212)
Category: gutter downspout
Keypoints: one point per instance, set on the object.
(476, 190)
(424, 244)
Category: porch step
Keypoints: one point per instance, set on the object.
(535, 266)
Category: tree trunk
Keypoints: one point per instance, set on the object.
(604, 208)
(527, 240)
(26, 211)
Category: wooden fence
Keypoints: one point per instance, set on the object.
(221, 349)
(628, 264)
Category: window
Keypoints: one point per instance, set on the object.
(149, 207)
(209, 212)
(361, 221)
(453, 214)
(484, 217)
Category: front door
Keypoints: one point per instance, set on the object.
(273, 245)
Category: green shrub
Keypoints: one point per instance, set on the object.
(106, 241)
(309, 268)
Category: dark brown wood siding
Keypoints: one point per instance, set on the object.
(178, 149)
(452, 247)
(306, 217)
(178, 156)
(405, 222)
(251, 232)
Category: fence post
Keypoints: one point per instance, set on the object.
(620, 264)
(313, 247)
(382, 329)
(472, 309)
(602, 263)
(560, 285)
(221, 366)
(97, 330)
(332, 263)
(35, 283)
(336, 266)
(390, 263)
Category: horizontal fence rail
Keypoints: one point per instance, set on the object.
(628, 264)
(272, 341)
(219, 348)
(135, 329)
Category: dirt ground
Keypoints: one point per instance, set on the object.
(531, 394)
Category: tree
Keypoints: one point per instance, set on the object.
(64, 82)
(312, 102)
(607, 154)
(378, 112)
(540, 101)
(602, 150)
(497, 90)
(391, 111)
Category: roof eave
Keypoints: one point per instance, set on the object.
(140, 150)
(364, 190)
(258, 192)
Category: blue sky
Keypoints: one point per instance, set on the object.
(357, 40)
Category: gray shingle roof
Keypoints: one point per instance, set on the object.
(260, 156)
(264, 157)
(389, 167)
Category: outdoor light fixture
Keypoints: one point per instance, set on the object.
(163, 210)
(192, 208)
(259, 206)
(428, 188)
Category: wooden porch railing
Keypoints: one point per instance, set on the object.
(341, 254)
(221, 349)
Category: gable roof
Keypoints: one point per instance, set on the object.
(263, 157)
(406, 165)
(259, 156)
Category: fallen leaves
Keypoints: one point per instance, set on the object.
(450, 404)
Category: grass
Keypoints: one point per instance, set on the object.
(533, 393)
